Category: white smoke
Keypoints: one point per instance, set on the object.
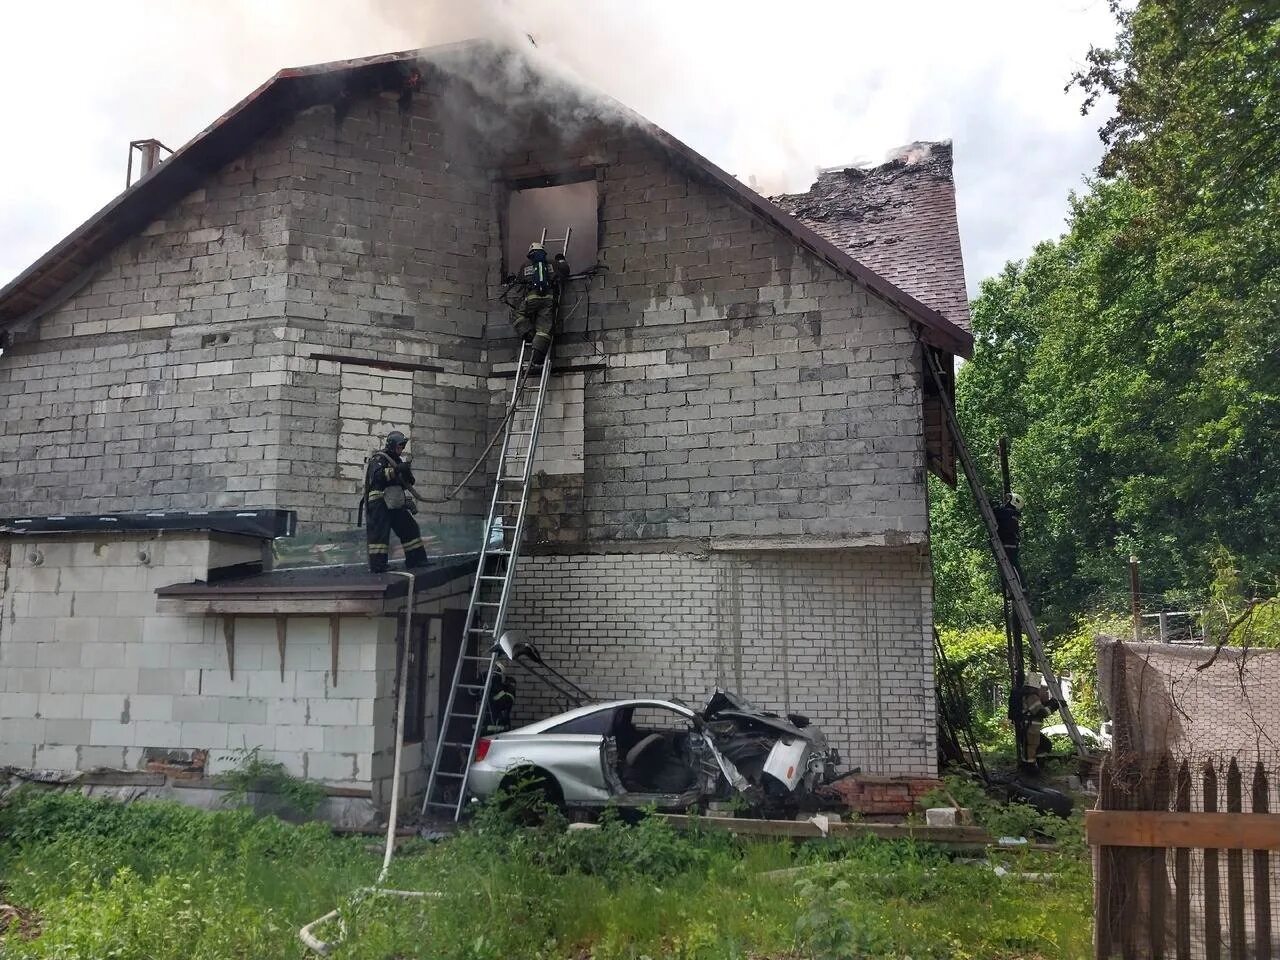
(765, 90)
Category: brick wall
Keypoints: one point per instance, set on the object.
(749, 390)
(153, 385)
(93, 672)
(371, 404)
(840, 636)
(393, 253)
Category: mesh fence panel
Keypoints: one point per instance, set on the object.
(1193, 732)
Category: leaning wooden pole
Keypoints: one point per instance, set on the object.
(1007, 573)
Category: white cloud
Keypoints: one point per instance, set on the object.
(764, 89)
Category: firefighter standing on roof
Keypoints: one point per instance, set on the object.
(387, 480)
(543, 282)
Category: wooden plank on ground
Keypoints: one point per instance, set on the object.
(122, 778)
(806, 828)
(1149, 828)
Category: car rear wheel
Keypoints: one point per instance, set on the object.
(529, 794)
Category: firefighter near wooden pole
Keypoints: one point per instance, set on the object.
(1008, 573)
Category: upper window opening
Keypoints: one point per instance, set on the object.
(567, 208)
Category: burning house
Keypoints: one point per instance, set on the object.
(729, 487)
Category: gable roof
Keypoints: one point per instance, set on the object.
(72, 261)
(898, 218)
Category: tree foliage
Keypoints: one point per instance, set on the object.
(1135, 361)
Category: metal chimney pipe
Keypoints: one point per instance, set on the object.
(150, 158)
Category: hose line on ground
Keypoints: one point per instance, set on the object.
(310, 940)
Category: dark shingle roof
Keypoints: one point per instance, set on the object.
(899, 219)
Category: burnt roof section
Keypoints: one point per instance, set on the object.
(898, 218)
(71, 262)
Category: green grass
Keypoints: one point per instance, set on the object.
(158, 881)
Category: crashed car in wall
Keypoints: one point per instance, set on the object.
(641, 752)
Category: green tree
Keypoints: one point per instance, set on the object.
(1135, 361)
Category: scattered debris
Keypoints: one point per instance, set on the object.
(20, 920)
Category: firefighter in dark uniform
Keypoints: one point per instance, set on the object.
(388, 504)
(1009, 526)
(502, 700)
(1037, 706)
(543, 282)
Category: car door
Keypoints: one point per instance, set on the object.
(572, 751)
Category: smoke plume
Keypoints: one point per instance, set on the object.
(770, 92)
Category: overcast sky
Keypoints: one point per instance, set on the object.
(771, 90)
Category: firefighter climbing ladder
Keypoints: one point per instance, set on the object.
(1020, 605)
(463, 718)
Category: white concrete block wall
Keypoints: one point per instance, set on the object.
(560, 436)
(842, 636)
(93, 671)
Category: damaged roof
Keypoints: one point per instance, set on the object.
(72, 262)
(899, 219)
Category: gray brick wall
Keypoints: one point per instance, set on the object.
(841, 636)
(154, 385)
(748, 390)
(393, 234)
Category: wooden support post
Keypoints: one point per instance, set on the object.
(1012, 582)
(1135, 599)
(229, 635)
(282, 629)
(333, 647)
(1105, 873)
(1235, 868)
(1157, 864)
(1261, 874)
(1182, 872)
(1212, 893)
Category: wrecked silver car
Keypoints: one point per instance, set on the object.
(635, 753)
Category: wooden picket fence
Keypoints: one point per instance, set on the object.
(1183, 867)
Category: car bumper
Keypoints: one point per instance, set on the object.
(484, 781)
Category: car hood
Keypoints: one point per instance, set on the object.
(723, 705)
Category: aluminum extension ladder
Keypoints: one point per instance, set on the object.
(1007, 572)
(464, 714)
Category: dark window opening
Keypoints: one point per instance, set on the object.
(415, 704)
(567, 209)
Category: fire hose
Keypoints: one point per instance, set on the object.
(309, 939)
